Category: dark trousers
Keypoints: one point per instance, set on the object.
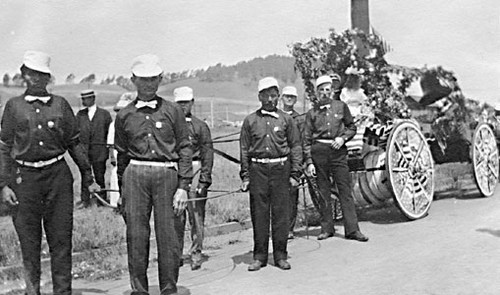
(146, 189)
(294, 202)
(45, 198)
(99, 169)
(196, 215)
(331, 165)
(269, 203)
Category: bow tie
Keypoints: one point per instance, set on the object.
(272, 114)
(150, 104)
(30, 98)
(188, 119)
(289, 112)
(326, 106)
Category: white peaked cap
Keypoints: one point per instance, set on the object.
(322, 80)
(268, 82)
(183, 94)
(147, 65)
(290, 90)
(36, 60)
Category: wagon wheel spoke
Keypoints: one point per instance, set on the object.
(493, 170)
(400, 169)
(404, 186)
(424, 190)
(479, 150)
(420, 148)
(398, 146)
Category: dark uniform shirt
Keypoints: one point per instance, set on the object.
(37, 131)
(327, 123)
(265, 136)
(201, 143)
(300, 119)
(160, 135)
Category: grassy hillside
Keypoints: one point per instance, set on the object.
(230, 100)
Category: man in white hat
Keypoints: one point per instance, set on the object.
(94, 124)
(271, 158)
(203, 161)
(289, 99)
(37, 129)
(155, 171)
(329, 125)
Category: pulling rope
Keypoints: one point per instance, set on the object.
(223, 193)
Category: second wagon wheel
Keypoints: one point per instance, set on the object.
(485, 159)
(410, 167)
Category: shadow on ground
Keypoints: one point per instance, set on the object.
(493, 232)
(155, 290)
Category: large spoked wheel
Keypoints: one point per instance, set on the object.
(410, 167)
(485, 159)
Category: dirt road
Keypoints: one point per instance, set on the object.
(454, 250)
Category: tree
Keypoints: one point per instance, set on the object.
(18, 80)
(6, 80)
(70, 79)
(90, 79)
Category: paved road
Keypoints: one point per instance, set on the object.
(454, 250)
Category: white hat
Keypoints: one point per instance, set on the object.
(268, 82)
(87, 93)
(183, 94)
(38, 61)
(124, 100)
(323, 80)
(146, 65)
(290, 90)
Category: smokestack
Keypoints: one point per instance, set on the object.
(360, 15)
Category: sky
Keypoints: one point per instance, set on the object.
(102, 37)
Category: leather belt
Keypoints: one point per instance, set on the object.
(153, 163)
(40, 164)
(327, 141)
(269, 160)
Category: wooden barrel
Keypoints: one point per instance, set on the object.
(370, 186)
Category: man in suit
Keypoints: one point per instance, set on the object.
(94, 125)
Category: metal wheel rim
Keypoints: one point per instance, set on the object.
(411, 171)
(485, 159)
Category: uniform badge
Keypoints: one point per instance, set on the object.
(276, 129)
(335, 115)
(50, 124)
(158, 125)
(19, 179)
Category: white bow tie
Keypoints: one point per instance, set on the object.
(326, 106)
(30, 98)
(272, 114)
(188, 119)
(150, 104)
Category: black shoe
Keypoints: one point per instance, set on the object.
(358, 236)
(256, 265)
(196, 261)
(283, 264)
(324, 236)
